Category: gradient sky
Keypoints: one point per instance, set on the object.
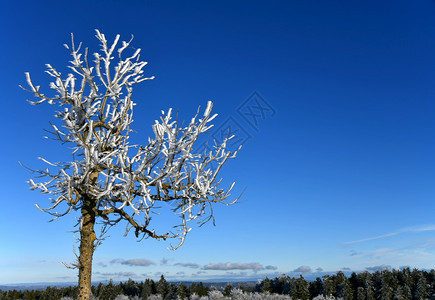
(338, 164)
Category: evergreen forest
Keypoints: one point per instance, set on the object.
(404, 284)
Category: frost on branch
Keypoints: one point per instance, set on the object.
(118, 180)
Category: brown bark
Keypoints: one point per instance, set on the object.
(87, 247)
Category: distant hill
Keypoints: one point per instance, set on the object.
(35, 286)
(44, 285)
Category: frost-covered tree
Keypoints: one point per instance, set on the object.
(299, 289)
(344, 290)
(328, 286)
(361, 294)
(110, 180)
(182, 292)
(421, 289)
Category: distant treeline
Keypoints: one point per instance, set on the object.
(383, 285)
(141, 290)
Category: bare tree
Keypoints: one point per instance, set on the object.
(109, 180)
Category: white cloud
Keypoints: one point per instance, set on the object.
(302, 269)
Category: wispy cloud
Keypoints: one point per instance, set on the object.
(234, 266)
(200, 272)
(180, 273)
(187, 265)
(415, 229)
(354, 253)
(372, 238)
(133, 262)
(65, 277)
(235, 275)
(101, 264)
(394, 256)
(241, 273)
(117, 274)
(404, 255)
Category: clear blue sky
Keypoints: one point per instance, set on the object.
(340, 169)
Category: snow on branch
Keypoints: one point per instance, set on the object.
(126, 182)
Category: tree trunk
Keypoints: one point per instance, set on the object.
(87, 247)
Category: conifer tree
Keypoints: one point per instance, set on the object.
(172, 292)
(266, 285)
(182, 292)
(130, 288)
(328, 286)
(343, 287)
(386, 291)
(277, 284)
(361, 293)
(162, 286)
(99, 289)
(300, 289)
(201, 290)
(240, 287)
(227, 290)
(111, 291)
(398, 293)
(149, 288)
(421, 291)
(354, 283)
(287, 285)
(369, 290)
(431, 283)
(315, 287)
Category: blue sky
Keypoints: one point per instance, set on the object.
(339, 165)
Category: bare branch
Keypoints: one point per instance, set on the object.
(119, 181)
